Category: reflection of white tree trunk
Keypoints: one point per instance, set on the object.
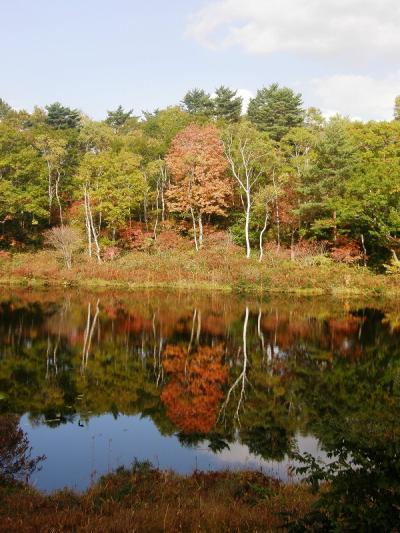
(87, 340)
(241, 381)
(260, 333)
(157, 349)
(192, 331)
(51, 358)
(198, 333)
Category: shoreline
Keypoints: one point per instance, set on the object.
(99, 283)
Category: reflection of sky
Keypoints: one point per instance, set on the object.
(76, 454)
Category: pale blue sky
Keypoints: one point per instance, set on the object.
(96, 54)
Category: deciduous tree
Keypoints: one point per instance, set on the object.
(251, 156)
(199, 184)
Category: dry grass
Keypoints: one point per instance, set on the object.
(220, 266)
(151, 500)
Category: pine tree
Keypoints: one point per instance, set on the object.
(198, 102)
(61, 118)
(227, 105)
(117, 118)
(275, 110)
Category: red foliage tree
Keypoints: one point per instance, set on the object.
(199, 184)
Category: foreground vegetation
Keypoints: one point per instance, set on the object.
(146, 499)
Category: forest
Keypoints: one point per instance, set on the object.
(280, 177)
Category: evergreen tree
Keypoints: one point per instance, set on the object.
(117, 118)
(275, 110)
(198, 102)
(324, 185)
(5, 109)
(397, 108)
(61, 118)
(227, 105)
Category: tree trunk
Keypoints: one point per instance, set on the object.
(194, 230)
(278, 223)
(364, 250)
(200, 220)
(247, 223)
(91, 224)
(87, 222)
(58, 198)
(262, 234)
(292, 246)
(157, 206)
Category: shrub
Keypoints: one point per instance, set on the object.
(16, 462)
(347, 251)
(65, 240)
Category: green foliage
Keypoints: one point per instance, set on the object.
(397, 108)
(23, 194)
(116, 185)
(60, 117)
(227, 106)
(308, 178)
(5, 109)
(198, 102)
(116, 119)
(275, 110)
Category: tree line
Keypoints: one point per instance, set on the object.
(279, 173)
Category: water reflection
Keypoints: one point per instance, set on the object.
(211, 374)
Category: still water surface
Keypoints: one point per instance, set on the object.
(190, 380)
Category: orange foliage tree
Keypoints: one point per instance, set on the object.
(194, 389)
(199, 184)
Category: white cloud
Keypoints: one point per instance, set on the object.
(359, 97)
(349, 29)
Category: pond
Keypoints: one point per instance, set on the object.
(192, 380)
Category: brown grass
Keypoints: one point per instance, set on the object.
(220, 266)
(151, 500)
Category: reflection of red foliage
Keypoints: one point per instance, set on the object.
(340, 336)
(193, 392)
(350, 324)
(344, 334)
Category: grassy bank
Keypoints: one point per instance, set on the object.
(147, 499)
(215, 268)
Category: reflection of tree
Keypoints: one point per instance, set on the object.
(241, 380)
(193, 392)
(306, 364)
(90, 327)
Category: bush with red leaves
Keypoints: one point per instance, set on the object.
(134, 236)
(347, 251)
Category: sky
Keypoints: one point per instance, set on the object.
(342, 55)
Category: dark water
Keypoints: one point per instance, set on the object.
(193, 380)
